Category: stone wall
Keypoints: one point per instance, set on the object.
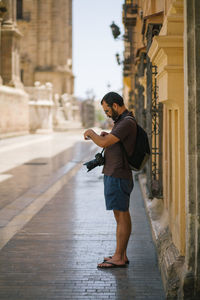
(168, 33)
(41, 107)
(14, 112)
(36, 45)
(191, 276)
(14, 117)
(46, 46)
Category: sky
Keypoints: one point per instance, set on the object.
(94, 48)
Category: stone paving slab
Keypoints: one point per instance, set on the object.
(27, 162)
(55, 255)
(35, 182)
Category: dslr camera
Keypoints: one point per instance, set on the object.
(98, 161)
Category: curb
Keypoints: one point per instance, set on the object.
(170, 261)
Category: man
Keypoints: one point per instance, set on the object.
(118, 181)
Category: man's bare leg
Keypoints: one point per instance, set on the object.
(123, 232)
(118, 232)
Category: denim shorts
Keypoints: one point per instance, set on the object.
(117, 193)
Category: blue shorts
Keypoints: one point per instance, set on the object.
(117, 193)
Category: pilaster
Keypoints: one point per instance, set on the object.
(10, 39)
(54, 62)
(56, 28)
(3, 11)
(191, 282)
(166, 52)
(45, 23)
(10, 16)
(10, 56)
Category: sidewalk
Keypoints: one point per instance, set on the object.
(32, 170)
(54, 253)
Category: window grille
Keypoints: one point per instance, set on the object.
(155, 129)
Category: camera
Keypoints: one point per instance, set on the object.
(98, 161)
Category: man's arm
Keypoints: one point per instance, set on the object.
(100, 140)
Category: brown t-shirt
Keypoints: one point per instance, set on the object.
(116, 164)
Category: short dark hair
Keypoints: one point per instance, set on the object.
(111, 98)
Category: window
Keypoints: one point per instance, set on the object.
(22, 75)
(19, 9)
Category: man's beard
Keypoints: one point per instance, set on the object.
(114, 115)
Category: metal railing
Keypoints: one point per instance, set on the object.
(154, 129)
(156, 152)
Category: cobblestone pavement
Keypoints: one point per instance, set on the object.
(55, 255)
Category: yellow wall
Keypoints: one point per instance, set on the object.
(167, 53)
(126, 89)
(151, 7)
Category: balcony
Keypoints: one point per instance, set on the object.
(130, 10)
(131, 6)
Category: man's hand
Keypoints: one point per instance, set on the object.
(88, 133)
(103, 140)
(103, 133)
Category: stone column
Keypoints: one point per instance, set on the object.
(9, 14)
(44, 35)
(63, 41)
(56, 32)
(10, 34)
(3, 10)
(69, 29)
(191, 285)
(65, 15)
(54, 42)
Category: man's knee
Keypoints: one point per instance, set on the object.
(116, 214)
(121, 215)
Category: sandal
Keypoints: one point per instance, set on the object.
(112, 265)
(110, 257)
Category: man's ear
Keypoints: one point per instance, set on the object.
(115, 106)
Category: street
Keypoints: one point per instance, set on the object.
(55, 229)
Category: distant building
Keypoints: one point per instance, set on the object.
(88, 113)
(46, 44)
(35, 64)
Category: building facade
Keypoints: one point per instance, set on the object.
(14, 110)
(46, 46)
(161, 86)
(36, 59)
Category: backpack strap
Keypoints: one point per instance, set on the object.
(131, 118)
(121, 144)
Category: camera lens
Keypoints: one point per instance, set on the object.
(98, 161)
